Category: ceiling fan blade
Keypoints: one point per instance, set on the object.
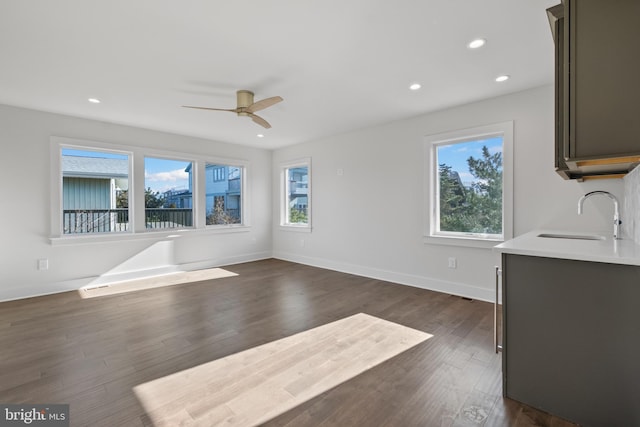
(235, 110)
(259, 120)
(264, 103)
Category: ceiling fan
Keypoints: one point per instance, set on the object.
(246, 107)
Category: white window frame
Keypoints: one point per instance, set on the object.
(137, 226)
(284, 191)
(432, 196)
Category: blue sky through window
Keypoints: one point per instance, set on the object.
(456, 155)
(164, 174)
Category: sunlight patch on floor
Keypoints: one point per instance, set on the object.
(170, 279)
(256, 385)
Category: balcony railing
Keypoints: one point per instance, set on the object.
(168, 218)
(95, 221)
(115, 220)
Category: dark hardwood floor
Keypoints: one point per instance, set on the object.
(90, 353)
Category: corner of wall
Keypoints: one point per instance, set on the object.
(631, 206)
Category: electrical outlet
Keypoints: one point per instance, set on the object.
(43, 264)
(453, 263)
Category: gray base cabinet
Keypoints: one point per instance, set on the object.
(571, 332)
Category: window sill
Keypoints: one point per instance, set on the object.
(296, 228)
(145, 235)
(468, 242)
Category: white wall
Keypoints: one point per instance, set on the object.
(370, 220)
(25, 209)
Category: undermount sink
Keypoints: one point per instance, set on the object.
(571, 236)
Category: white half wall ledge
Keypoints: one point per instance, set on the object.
(38, 290)
(422, 282)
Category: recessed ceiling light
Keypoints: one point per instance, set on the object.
(474, 44)
(502, 78)
(94, 100)
(260, 135)
(415, 86)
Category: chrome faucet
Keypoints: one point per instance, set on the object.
(616, 211)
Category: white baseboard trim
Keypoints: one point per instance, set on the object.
(201, 265)
(453, 288)
(437, 285)
(36, 290)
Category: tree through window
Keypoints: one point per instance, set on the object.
(470, 197)
(468, 188)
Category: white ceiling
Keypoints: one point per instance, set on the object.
(340, 65)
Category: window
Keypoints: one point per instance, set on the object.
(223, 194)
(471, 185)
(296, 194)
(95, 188)
(218, 172)
(168, 194)
(105, 192)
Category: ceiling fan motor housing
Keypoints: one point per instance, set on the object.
(244, 98)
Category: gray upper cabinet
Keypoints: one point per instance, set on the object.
(597, 86)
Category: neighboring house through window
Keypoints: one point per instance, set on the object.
(223, 192)
(94, 191)
(296, 194)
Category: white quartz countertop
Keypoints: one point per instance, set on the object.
(607, 250)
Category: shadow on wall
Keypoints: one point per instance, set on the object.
(150, 268)
(154, 260)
